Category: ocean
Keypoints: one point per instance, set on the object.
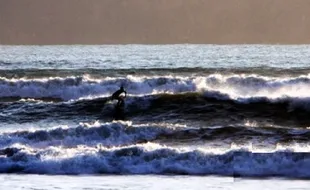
(195, 117)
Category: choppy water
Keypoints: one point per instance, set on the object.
(235, 111)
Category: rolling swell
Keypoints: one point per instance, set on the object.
(236, 86)
(212, 108)
(124, 148)
(155, 159)
(125, 134)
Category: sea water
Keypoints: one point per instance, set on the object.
(195, 117)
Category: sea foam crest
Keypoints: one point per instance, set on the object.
(236, 86)
(151, 158)
(108, 134)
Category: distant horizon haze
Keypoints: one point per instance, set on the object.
(50, 22)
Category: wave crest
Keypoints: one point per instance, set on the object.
(236, 86)
(156, 159)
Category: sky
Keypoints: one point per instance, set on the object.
(46, 22)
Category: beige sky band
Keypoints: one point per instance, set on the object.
(154, 21)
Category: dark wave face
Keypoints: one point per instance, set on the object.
(214, 99)
(191, 107)
(194, 110)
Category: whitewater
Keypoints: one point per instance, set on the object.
(195, 117)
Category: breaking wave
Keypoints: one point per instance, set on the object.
(124, 148)
(235, 86)
(153, 158)
(123, 133)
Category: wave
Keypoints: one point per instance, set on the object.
(154, 148)
(108, 134)
(152, 158)
(212, 108)
(235, 86)
(213, 99)
(123, 133)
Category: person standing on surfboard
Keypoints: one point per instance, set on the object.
(117, 95)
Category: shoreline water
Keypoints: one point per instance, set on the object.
(138, 182)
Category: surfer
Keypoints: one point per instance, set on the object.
(118, 96)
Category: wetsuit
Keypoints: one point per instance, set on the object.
(116, 96)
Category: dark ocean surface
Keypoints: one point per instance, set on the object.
(231, 111)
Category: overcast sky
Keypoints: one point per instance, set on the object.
(154, 21)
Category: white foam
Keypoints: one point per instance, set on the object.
(114, 133)
(157, 159)
(236, 86)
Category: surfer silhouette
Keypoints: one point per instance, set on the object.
(118, 96)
